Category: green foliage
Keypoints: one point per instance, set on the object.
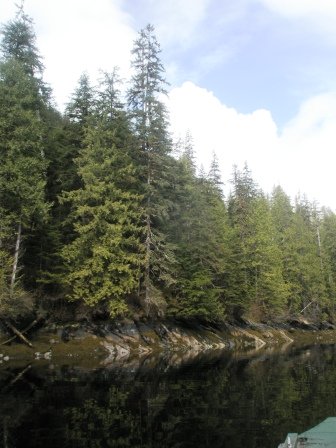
(22, 162)
(199, 232)
(22, 170)
(304, 263)
(94, 206)
(298, 237)
(81, 105)
(103, 260)
(117, 308)
(18, 43)
(199, 298)
(240, 208)
(328, 254)
(268, 286)
(256, 275)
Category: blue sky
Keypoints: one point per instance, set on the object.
(253, 80)
(249, 55)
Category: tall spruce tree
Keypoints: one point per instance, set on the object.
(214, 174)
(79, 115)
(256, 283)
(108, 101)
(41, 238)
(81, 105)
(307, 273)
(149, 118)
(268, 289)
(18, 43)
(282, 213)
(297, 236)
(104, 259)
(284, 235)
(240, 206)
(23, 101)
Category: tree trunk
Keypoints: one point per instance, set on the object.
(319, 246)
(147, 267)
(148, 240)
(16, 260)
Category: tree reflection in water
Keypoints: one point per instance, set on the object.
(249, 400)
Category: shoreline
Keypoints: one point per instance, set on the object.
(106, 343)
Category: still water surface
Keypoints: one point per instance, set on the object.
(231, 400)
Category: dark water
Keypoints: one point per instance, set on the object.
(228, 401)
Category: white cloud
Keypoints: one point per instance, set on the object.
(300, 158)
(234, 137)
(76, 36)
(308, 147)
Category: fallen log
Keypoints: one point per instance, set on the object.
(31, 325)
(18, 333)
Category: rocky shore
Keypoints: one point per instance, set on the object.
(108, 342)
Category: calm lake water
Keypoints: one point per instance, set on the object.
(227, 400)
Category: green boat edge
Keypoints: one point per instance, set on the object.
(321, 435)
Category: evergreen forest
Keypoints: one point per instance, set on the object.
(101, 212)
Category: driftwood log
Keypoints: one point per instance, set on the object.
(17, 333)
(31, 325)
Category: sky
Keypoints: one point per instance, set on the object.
(252, 80)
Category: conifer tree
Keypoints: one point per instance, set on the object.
(79, 115)
(22, 162)
(108, 101)
(199, 232)
(42, 258)
(18, 43)
(282, 213)
(188, 154)
(39, 255)
(268, 289)
(149, 119)
(284, 234)
(307, 271)
(297, 237)
(22, 156)
(240, 206)
(328, 248)
(256, 283)
(104, 259)
(215, 175)
(81, 105)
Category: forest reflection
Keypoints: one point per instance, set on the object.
(225, 400)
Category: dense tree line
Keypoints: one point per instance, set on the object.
(99, 206)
